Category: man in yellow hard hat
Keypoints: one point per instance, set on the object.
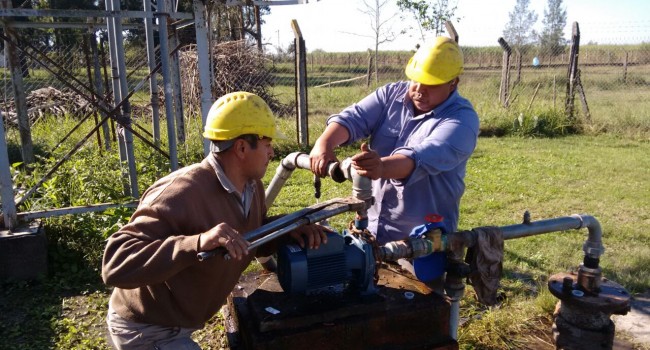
(162, 291)
(421, 134)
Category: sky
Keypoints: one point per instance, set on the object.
(341, 26)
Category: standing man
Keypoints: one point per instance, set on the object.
(422, 132)
(162, 291)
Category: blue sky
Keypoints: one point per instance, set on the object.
(340, 26)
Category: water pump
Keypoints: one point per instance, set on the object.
(346, 261)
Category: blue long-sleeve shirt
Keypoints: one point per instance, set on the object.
(440, 142)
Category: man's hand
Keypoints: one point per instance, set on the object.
(225, 236)
(323, 152)
(368, 163)
(319, 157)
(314, 235)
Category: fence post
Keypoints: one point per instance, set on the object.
(625, 68)
(518, 60)
(301, 86)
(451, 31)
(583, 97)
(369, 68)
(505, 72)
(20, 100)
(573, 71)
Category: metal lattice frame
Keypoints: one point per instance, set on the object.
(120, 111)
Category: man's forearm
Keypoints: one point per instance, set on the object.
(397, 166)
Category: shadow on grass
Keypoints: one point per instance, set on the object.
(60, 311)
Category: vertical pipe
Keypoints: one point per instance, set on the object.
(202, 49)
(86, 50)
(153, 82)
(6, 184)
(117, 92)
(99, 87)
(164, 60)
(124, 91)
(175, 76)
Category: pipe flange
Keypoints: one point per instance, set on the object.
(611, 299)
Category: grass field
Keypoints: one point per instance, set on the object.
(552, 168)
(604, 176)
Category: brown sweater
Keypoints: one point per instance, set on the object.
(152, 260)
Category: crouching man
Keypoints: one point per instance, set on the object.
(162, 291)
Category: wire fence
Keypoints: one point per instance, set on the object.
(53, 64)
(614, 78)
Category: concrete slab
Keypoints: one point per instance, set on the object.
(637, 322)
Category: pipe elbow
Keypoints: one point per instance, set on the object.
(290, 162)
(593, 246)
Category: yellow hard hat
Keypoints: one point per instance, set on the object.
(436, 64)
(240, 113)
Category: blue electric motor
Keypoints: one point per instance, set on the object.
(344, 262)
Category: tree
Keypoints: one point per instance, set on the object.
(228, 23)
(430, 15)
(519, 31)
(381, 27)
(552, 37)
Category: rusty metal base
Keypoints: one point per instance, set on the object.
(581, 320)
(338, 320)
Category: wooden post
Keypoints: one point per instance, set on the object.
(583, 97)
(369, 68)
(554, 91)
(451, 31)
(505, 72)
(518, 64)
(301, 86)
(20, 100)
(625, 68)
(530, 104)
(573, 71)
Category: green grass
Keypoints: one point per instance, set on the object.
(603, 173)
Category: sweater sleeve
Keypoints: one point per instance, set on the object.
(146, 251)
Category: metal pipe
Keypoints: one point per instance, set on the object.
(175, 77)
(18, 87)
(287, 166)
(99, 88)
(293, 221)
(126, 105)
(6, 183)
(203, 58)
(163, 17)
(117, 92)
(593, 247)
(153, 83)
(39, 214)
(589, 274)
(454, 317)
